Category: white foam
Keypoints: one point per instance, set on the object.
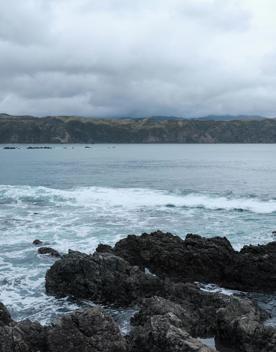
(82, 217)
(130, 198)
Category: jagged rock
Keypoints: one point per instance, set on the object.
(104, 248)
(5, 317)
(240, 325)
(202, 259)
(37, 242)
(49, 251)
(164, 333)
(87, 331)
(25, 336)
(197, 309)
(100, 277)
(195, 259)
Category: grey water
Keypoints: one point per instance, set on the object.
(76, 197)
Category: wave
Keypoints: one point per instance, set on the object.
(130, 199)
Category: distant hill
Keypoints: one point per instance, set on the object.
(231, 118)
(72, 129)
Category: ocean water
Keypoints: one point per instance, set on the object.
(76, 197)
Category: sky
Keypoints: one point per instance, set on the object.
(110, 58)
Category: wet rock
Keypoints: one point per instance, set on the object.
(5, 317)
(164, 333)
(37, 242)
(49, 251)
(88, 331)
(25, 336)
(197, 309)
(195, 259)
(209, 260)
(101, 277)
(254, 269)
(240, 325)
(104, 248)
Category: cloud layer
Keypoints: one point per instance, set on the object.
(149, 57)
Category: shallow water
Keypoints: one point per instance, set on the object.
(75, 197)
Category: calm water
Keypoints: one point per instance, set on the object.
(75, 197)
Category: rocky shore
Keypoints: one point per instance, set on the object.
(158, 274)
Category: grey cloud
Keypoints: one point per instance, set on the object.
(118, 57)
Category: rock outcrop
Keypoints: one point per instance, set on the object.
(240, 325)
(164, 333)
(209, 260)
(87, 331)
(103, 278)
(173, 311)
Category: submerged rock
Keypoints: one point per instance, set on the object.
(49, 251)
(100, 277)
(211, 260)
(37, 242)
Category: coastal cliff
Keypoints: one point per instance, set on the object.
(28, 129)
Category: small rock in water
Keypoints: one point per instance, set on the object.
(274, 233)
(49, 251)
(37, 242)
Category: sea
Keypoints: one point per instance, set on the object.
(77, 196)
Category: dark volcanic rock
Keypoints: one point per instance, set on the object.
(197, 308)
(240, 325)
(164, 333)
(86, 331)
(24, 336)
(37, 242)
(100, 277)
(5, 317)
(49, 251)
(254, 269)
(202, 259)
(104, 248)
(82, 331)
(195, 259)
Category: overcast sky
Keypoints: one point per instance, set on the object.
(138, 58)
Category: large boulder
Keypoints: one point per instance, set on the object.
(254, 269)
(25, 336)
(164, 333)
(195, 259)
(197, 309)
(102, 278)
(240, 325)
(87, 331)
(209, 260)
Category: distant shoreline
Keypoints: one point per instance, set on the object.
(75, 130)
